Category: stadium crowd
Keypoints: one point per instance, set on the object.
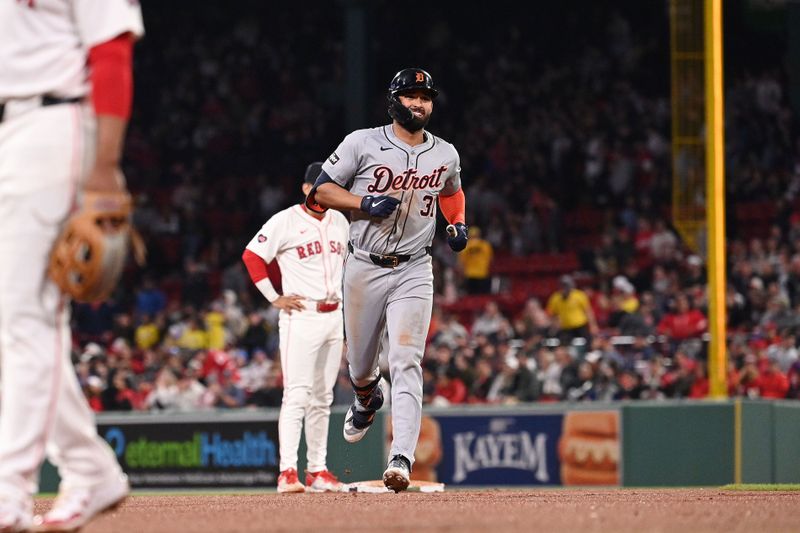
(542, 134)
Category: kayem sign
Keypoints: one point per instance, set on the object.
(187, 454)
(561, 448)
(492, 450)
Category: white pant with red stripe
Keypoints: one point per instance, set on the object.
(311, 353)
(44, 154)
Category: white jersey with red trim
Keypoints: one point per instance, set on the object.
(309, 251)
(44, 43)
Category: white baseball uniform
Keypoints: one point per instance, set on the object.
(47, 147)
(310, 253)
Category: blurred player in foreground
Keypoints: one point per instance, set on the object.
(65, 98)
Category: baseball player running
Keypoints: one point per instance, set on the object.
(310, 249)
(392, 178)
(65, 98)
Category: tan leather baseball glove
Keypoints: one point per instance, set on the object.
(88, 257)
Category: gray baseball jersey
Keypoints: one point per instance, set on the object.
(376, 162)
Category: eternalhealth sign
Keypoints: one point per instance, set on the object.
(204, 449)
(196, 454)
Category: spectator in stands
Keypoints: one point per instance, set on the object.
(225, 392)
(253, 376)
(584, 387)
(571, 312)
(193, 337)
(492, 324)
(191, 394)
(623, 301)
(450, 389)
(476, 262)
(785, 353)
(748, 384)
(700, 384)
(663, 243)
(694, 274)
(630, 386)
(677, 383)
(683, 322)
(502, 387)
(150, 300)
(123, 328)
(484, 374)
(533, 322)
(165, 392)
(451, 332)
(271, 394)
(94, 392)
(119, 396)
(256, 335)
(791, 283)
(772, 383)
(777, 313)
(793, 377)
(525, 386)
(215, 327)
(147, 333)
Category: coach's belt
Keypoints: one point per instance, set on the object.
(387, 260)
(327, 307)
(17, 106)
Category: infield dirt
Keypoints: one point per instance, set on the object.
(607, 510)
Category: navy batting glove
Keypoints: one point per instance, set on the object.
(458, 234)
(379, 206)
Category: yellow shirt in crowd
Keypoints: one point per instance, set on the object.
(476, 259)
(572, 310)
(146, 336)
(215, 324)
(193, 339)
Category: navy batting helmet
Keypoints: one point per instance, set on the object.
(408, 79)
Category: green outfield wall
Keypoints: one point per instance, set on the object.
(710, 443)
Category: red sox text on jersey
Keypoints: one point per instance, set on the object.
(315, 247)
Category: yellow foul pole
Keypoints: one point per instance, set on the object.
(715, 199)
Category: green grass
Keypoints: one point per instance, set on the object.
(763, 486)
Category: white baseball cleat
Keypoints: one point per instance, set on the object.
(76, 506)
(398, 474)
(15, 517)
(322, 481)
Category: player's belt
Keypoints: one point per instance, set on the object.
(387, 260)
(327, 307)
(15, 107)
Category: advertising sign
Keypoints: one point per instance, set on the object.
(196, 454)
(568, 448)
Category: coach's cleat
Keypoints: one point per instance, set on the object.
(322, 481)
(398, 474)
(361, 414)
(289, 483)
(76, 506)
(15, 517)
